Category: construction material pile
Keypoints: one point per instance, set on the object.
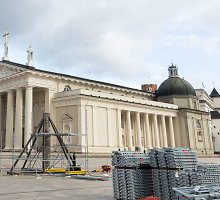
(209, 174)
(198, 192)
(132, 177)
(172, 167)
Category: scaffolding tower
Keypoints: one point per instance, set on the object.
(39, 156)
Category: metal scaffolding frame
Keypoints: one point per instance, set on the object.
(39, 156)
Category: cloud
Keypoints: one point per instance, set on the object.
(115, 41)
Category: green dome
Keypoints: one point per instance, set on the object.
(176, 86)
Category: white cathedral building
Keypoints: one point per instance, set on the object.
(113, 116)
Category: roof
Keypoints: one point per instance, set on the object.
(176, 86)
(214, 93)
(215, 115)
(70, 76)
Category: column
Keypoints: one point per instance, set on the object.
(1, 135)
(172, 139)
(148, 132)
(110, 144)
(9, 121)
(18, 119)
(82, 127)
(94, 126)
(156, 132)
(28, 113)
(119, 130)
(138, 125)
(164, 131)
(50, 109)
(128, 122)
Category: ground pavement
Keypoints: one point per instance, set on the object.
(60, 188)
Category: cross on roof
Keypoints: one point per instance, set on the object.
(5, 35)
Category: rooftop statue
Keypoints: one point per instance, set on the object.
(30, 57)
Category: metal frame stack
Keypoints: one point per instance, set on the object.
(197, 193)
(132, 176)
(172, 167)
(209, 174)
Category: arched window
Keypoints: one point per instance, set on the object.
(195, 105)
(198, 125)
(67, 88)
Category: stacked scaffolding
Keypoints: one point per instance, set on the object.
(209, 174)
(172, 167)
(196, 193)
(132, 177)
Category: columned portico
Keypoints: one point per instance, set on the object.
(9, 121)
(129, 133)
(28, 113)
(156, 132)
(18, 119)
(172, 139)
(164, 131)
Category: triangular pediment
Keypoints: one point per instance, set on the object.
(65, 116)
(9, 70)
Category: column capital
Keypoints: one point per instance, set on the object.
(29, 87)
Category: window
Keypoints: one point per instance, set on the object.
(67, 88)
(199, 134)
(198, 125)
(195, 105)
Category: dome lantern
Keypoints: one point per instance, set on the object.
(173, 71)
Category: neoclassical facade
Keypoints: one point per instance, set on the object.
(113, 117)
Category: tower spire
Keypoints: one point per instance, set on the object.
(6, 46)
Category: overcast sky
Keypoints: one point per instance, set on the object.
(126, 42)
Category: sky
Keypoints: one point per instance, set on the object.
(125, 42)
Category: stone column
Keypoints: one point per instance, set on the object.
(1, 135)
(109, 124)
(9, 121)
(119, 130)
(82, 126)
(128, 123)
(138, 125)
(49, 93)
(18, 119)
(28, 113)
(148, 132)
(156, 132)
(172, 139)
(164, 131)
(94, 126)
